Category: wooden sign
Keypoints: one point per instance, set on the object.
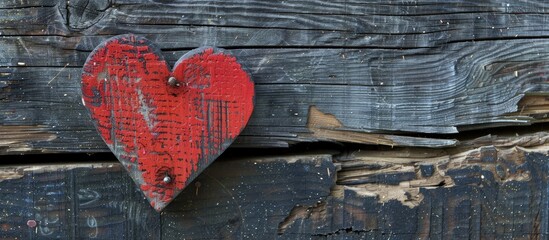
(165, 126)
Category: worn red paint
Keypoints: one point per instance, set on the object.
(156, 129)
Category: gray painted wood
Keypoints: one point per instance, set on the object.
(393, 68)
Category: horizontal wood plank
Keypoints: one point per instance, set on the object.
(73, 201)
(388, 72)
(301, 23)
(366, 91)
(494, 187)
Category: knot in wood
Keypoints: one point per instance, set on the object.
(83, 14)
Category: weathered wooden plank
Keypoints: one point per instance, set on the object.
(249, 202)
(101, 201)
(493, 191)
(302, 23)
(491, 187)
(43, 17)
(379, 68)
(73, 201)
(376, 90)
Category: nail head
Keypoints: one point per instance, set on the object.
(31, 223)
(173, 82)
(167, 179)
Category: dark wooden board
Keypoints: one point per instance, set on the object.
(100, 201)
(491, 192)
(375, 69)
(494, 188)
(74, 201)
(372, 23)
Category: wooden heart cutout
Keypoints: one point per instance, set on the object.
(165, 126)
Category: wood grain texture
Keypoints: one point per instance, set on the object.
(74, 201)
(494, 187)
(100, 201)
(401, 69)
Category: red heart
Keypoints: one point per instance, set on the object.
(165, 131)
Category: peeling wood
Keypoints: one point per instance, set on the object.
(301, 213)
(21, 138)
(418, 190)
(7, 174)
(407, 196)
(19, 171)
(367, 172)
(327, 127)
(533, 105)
